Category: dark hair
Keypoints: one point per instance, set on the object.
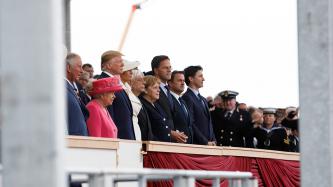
(174, 73)
(190, 72)
(155, 63)
(86, 65)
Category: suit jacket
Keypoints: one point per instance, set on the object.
(182, 121)
(75, 116)
(234, 130)
(163, 101)
(145, 125)
(202, 123)
(82, 94)
(160, 127)
(121, 112)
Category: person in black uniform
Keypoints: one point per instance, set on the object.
(232, 126)
(291, 123)
(270, 135)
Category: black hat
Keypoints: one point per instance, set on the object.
(292, 124)
(269, 110)
(228, 94)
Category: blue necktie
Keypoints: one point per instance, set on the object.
(181, 101)
(202, 102)
(169, 96)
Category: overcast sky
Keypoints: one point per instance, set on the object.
(249, 46)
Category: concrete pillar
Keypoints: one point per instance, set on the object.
(32, 92)
(67, 10)
(315, 33)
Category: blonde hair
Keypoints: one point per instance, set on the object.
(108, 55)
(151, 80)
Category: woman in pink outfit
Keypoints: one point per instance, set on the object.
(100, 123)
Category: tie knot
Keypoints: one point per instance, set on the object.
(166, 87)
(228, 114)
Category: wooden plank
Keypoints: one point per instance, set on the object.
(219, 151)
(92, 142)
(182, 148)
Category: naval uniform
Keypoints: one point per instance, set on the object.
(232, 129)
(274, 138)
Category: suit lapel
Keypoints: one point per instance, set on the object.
(197, 102)
(206, 105)
(127, 101)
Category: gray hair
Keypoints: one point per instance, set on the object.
(85, 75)
(69, 58)
(136, 74)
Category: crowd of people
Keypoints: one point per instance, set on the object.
(123, 102)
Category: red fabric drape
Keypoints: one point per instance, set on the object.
(269, 172)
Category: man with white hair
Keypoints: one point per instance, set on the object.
(77, 113)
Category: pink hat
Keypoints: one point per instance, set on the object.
(111, 84)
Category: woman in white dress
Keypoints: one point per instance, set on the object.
(126, 77)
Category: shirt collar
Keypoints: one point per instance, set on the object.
(69, 82)
(175, 95)
(196, 92)
(162, 85)
(108, 73)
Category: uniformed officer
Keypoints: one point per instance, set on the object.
(270, 135)
(291, 123)
(231, 125)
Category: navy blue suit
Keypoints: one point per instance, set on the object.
(159, 124)
(182, 120)
(76, 113)
(202, 123)
(121, 112)
(163, 101)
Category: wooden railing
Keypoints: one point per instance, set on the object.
(152, 146)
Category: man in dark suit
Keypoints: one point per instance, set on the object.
(232, 126)
(76, 111)
(198, 107)
(181, 115)
(121, 109)
(161, 68)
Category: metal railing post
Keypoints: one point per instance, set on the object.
(181, 181)
(142, 181)
(247, 183)
(100, 180)
(235, 183)
(216, 182)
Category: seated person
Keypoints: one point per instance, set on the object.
(270, 135)
(100, 123)
(160, 127)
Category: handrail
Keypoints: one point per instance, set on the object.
(164, 172)
(181, 178)
(166, 147)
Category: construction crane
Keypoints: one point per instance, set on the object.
(129, 21)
